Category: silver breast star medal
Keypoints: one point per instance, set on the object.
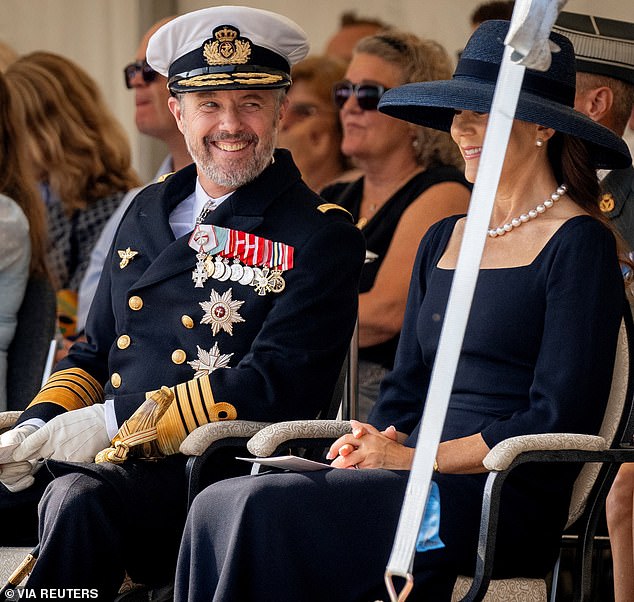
(126, 256)
(221, 312)
(208, 361)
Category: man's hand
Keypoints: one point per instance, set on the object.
(15, 476)
(76, 436)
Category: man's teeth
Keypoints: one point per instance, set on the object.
(231, 146)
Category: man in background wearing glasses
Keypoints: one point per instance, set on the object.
(153, 118)
(229, 282)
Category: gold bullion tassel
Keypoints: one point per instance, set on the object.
(139, 430)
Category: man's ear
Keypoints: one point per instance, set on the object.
(175, 108)
(596, 103)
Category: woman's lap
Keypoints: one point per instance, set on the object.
(328, 534)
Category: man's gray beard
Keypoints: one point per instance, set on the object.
(233, 176)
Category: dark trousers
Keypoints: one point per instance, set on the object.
(102, 520)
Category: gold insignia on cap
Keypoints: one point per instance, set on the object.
(606, 204)
(228, 48)
(126, 257)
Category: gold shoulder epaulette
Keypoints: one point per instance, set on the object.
(325, 207)
(164, 177)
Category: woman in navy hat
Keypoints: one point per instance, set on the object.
(550, 264)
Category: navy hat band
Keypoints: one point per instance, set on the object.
(532, 83)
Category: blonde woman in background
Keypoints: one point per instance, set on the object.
(22, 228)
(81, 156)
(411, 178)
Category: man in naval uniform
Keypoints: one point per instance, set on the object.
(230, 282)
(604, 50)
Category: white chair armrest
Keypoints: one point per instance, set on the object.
(8, 419)
(501, 456)
(201, 438)
(266, 441)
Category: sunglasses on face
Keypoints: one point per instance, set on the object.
(129, 71)
(367, 95)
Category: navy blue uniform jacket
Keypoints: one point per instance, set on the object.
(282, 360)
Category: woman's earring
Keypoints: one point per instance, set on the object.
(539, 142)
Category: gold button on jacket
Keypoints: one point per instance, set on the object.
(179, 356)
(115, 379)
(135, 303)
(123, 342)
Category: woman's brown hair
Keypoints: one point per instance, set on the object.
(17, 180)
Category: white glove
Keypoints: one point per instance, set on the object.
(75, 436)
(11, 439)
(15, 476)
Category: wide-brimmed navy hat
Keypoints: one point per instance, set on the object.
(547, 98)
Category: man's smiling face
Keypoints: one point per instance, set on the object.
(230, 134)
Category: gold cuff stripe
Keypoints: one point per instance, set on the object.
(82, 378)
(200, 415)
(185, 405)
(72, 389)
(194, 405)
(208, 395)
(170, 430)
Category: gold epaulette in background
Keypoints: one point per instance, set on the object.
(72, 389)
(325, 207)
(164, 177)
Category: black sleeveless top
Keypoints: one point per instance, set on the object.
(380, 229)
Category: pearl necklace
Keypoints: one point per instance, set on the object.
(516, 222)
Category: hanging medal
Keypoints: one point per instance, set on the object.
(203, 238)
